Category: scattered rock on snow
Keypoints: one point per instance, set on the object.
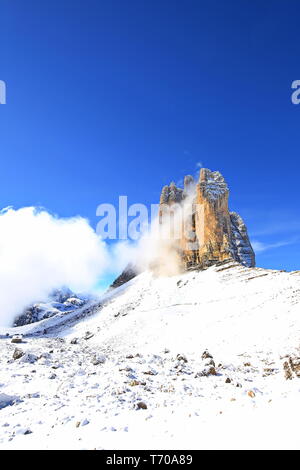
(141, 405)
(98, 359)
(24, 431)
(88, 335)
(150, 372)
(29, 358)
(57, 366)
(268, 371)
(18, 353)
(16, 339)
(206, 355)
(181, 357)
(33, 395)
(28, 431)
(209, 362)
(126, 369)
(206, 371)
(288, 374)
(155, 359)
(45, 355)
(84, 422)
(135, 382)
(291, 367)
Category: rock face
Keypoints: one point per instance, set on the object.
(129, 273)
(243, 251)
(208, 232)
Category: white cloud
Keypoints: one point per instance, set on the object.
(39, 252)
(260, 247)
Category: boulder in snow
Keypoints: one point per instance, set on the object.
(18, 353)
(29, 358)
(99, 359)
(17, 339)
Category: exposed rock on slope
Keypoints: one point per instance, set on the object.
(129, 273)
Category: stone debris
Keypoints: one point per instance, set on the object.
(17, 339)
(208, 365)
(141, 405)
(18, 353)
(206, 355)
(29, 358)
(206, 372)
(181, 357)
(98, 359)
(291, 367)
(88, 335)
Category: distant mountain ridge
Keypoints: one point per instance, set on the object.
(60, 300)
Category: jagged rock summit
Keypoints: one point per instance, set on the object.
(210, 233)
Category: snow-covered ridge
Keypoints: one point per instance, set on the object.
(209, 287)
(129, 372)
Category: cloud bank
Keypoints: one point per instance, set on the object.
(40, 252)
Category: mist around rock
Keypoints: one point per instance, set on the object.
(40, 252)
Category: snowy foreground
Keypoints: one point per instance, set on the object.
(128, 372)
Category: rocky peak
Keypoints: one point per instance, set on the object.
(171, 194)
(214, 233)
(210, 234)
(212, 185)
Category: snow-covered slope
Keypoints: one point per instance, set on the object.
(128, 371)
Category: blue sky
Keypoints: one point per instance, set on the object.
(113, 97)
